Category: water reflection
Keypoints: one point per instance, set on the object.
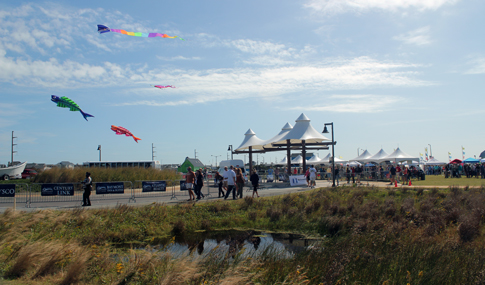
(237, 244)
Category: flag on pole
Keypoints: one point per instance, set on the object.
(426, 152)
(463, 152)
(449, 156)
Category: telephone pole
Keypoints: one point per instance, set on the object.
(153, 153)
(13, 144)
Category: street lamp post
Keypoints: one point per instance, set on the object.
(325, 131)
(230, 149)
(99, 148)
(430, 152)
(216, 158)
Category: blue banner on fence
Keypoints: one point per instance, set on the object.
(150, 186)
(110, 188)
(7, 190)
(57, 190)
(182, 185)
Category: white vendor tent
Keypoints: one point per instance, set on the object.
(434, 161)
(362, 157)
(297, 160)
(399, 155)
(377, 157)
(314, 160)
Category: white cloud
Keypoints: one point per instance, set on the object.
(342, 6)
(179, 57)
(353, 104)
(478, 64)
(229, 84)
(417, 37)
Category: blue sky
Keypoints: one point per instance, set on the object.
(402, 73)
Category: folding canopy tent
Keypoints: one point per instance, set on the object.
(455, 161)
(399, 155)
(471, 160)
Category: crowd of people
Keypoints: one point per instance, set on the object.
(231, 180)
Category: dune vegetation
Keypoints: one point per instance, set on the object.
(367, 236)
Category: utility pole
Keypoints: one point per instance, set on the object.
(13, 144)
(153, 153)
(99, 148)
(195, 153)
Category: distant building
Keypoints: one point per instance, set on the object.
(121, 164)
(194, 163)
(38, 166)
(65, 164)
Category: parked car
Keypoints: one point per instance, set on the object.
(28, 173)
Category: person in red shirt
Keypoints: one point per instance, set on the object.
(189, 183)
(398, 172)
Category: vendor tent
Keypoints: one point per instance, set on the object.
(471, 160)
(434, 161)
(399, 155)
(354, 164)
(377, 157)
(314, 160)
(455, 161)
(297, 160)
(362, 157)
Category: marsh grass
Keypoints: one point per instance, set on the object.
(434, 236)
(64, 175)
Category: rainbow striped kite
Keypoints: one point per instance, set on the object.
(162, 86)
(104, 29)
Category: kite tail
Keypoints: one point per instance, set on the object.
(136, 139)
(85, 115)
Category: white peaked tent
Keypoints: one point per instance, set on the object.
(354, 163)
(314, 160)
(302, 131)
(326, 159)
(297, 160)
(399, 155)
(362, 157)
(377, 157)
(286, 129)
(284, 161)
(338, 160)
(434, 161)
(251, 140)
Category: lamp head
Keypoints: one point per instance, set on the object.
(325, 130)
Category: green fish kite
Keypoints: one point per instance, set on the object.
(65, 102)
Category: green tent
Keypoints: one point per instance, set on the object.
(194, 163)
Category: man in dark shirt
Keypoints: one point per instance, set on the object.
(393, 174)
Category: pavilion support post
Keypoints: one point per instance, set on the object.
(303, 153)
(250, 160)
(288, 158)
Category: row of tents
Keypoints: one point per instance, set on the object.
(381, 156)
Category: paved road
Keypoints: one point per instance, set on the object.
(111, 201)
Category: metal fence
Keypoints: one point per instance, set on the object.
(14, 193)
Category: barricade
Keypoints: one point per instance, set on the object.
(73, 192)
(14, 193)
(55, 192)
(112, 191)
(153, 189)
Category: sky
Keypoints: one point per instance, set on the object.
(387, 73)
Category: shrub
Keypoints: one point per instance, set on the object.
(468, 229)
(178, 228)
(273, 214)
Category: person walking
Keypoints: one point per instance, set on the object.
(392, 172)
(199, 183)
(239, 182)
(254, 178)
(337, 174)
(313, 176)
(231, 181)
(307, 176)
(189, 183)
(219, 180)
(87, 186)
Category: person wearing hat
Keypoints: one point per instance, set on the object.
(88, 186)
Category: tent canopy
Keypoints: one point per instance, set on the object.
(377, 157)
(399, 155)
(471, 160)
(302, 130)
(455, 161)
(362, 157)
(434, 161)
(251, 140)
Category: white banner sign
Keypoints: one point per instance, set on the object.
(296, 180)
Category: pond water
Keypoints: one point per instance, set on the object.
(240, 244)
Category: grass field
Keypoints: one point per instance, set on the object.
(440, 180)
(369, 236)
